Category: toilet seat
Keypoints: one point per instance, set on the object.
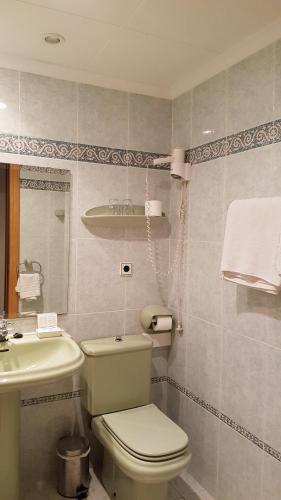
(146, 433)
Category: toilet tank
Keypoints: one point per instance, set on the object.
(116, 375)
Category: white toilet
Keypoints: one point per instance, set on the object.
(143, 448)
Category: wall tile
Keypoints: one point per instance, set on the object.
(248, 175)
(277, 80)
(250, 91)
(271, 479)
(205, 283)
(9, 95)
(159, 361)
(159, 184)
(158, 395)
(102, 324)
(176, 403)
(41, 99)
(204, 366)
(181, 111)
(206, 201)
(99, 284)
(273, 397)
(203, 432)
(149, 124)
(209, 110)
(103, 117)
(240, 467)
(243, 382)
(133, 325)
(245, 311)
(143, 287)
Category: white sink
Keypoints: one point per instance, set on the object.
(32, 361)
(25, 362)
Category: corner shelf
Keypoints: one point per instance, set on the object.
(103, 216)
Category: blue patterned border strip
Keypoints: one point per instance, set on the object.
(227, 420)
(48, 148)
(43, 185)
(256, 137)
(44, 170)
(50, 399)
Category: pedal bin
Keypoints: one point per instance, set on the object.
(73, 467)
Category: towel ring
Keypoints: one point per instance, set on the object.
(28, 265)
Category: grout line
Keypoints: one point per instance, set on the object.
(240, 429)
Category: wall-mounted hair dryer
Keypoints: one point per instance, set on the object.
(179, 169)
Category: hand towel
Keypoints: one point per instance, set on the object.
(28, 286)
(251, 251)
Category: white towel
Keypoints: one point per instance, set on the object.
(28, 286)
(251, 252)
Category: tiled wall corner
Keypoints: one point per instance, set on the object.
(226, 363)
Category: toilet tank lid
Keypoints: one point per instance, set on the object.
(109, 345)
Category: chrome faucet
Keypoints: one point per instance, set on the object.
(3, 330)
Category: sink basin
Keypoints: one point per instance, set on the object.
(34, 361)
(25, 362)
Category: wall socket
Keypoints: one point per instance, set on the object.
(126, 268)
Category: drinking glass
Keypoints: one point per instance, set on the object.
(127, 207)
(114, 205)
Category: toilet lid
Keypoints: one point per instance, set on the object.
(147, 433)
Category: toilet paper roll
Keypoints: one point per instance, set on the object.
(153, 208)
(162, 323)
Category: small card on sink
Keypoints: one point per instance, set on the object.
(47, 325)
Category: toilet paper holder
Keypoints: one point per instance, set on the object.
(156, 318)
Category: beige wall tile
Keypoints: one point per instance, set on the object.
(203, 431)
(204, 281)
(41, 99)
(209, 110)
(102, 116)
(240, 467)
(250, 91)
(149, 123)
(243, 382)
(9, 95)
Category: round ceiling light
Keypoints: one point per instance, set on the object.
(53, 38)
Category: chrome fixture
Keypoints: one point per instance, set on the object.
(3, 330)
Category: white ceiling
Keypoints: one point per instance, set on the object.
(156, 47)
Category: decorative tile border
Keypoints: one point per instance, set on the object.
(48, 148)
(226, 420)
(256, 137)
(50, 399)
(43, 185)
(44, 170)
(207, 406)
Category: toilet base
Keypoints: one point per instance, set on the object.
(121, 487)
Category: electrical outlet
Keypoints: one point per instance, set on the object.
(126, 269)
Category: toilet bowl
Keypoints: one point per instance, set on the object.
(143, 448)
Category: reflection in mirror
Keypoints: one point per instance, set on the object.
(37, 240)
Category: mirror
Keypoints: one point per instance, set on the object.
(34, 239)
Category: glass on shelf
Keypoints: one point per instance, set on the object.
(127, 207)
(114, 205)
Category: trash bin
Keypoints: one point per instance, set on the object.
(73, 467)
